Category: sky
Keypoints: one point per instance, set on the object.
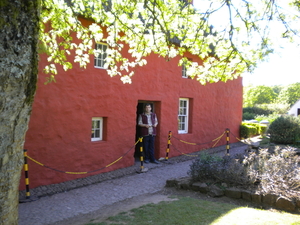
(280, 68)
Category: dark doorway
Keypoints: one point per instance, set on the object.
(298, 112)
(139, 110)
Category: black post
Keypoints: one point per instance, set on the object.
(168, 145)
(141, 153)
(227, 140)
(26, 174)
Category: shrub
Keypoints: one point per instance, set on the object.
(210, 167)
(269, 171)
(244, 133)
(265, 112)
(277, 171)
(251, 129)
(275, 108)
(257, 111)
(262, 129)
(285, 130)
(248, 116)
(204, 166)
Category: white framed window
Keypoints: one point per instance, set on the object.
(100, 55)
(97, 129)
(183, 73)
(183, 115)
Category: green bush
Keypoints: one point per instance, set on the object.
(215, 168)
(275, 108)
(251, 129)
(248, 116)
(257, 111)
(244, 133)
(270, 171)
(203, 166)
(285, 130)
(265, 112)
(262, 129)
(247, 131)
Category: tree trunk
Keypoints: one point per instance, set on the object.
(18, 75)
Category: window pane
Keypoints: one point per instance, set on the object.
(183, 103)
(183, 119)
(183, 116)
(97, 133)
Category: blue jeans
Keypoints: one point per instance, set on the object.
(148, 143)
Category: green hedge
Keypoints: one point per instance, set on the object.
(252, 129)
(285, 130)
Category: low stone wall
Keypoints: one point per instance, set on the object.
(269, 200)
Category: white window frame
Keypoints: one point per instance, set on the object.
(97, 125)
(183, 72)
(100, 55)
(183, 116)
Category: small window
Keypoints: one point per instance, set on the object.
(97, 129)
(100, 55)
(184, 66)
(183, 113)
(184, 75)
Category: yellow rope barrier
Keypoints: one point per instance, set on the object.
(219, 138)
(77, 173)
(189, 143)
(216, 140)
(35, 161)
(114, 162)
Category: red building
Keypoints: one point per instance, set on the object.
(85, 101)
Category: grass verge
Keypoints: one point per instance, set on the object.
(190, 211)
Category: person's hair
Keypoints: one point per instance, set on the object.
(147, 104)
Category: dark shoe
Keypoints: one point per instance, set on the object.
(146, 161)
(155, 161)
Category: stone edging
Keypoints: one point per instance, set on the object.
(268, 200)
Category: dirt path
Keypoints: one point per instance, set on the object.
(167, 194)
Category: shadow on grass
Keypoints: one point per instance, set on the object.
(190, 211)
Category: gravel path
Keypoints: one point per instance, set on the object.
(85, 200)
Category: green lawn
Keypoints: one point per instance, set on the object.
(190, 211)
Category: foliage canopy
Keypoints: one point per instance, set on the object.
(258, 95)
(168, 28)
(290, 94)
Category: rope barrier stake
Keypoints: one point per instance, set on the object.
(141, 153)
(168, 145)
(227, 140)
(26, 174)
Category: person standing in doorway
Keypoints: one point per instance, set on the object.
(148, 123)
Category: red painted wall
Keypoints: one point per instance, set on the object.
(59, 134)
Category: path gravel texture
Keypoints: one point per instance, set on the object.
(84, 200)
